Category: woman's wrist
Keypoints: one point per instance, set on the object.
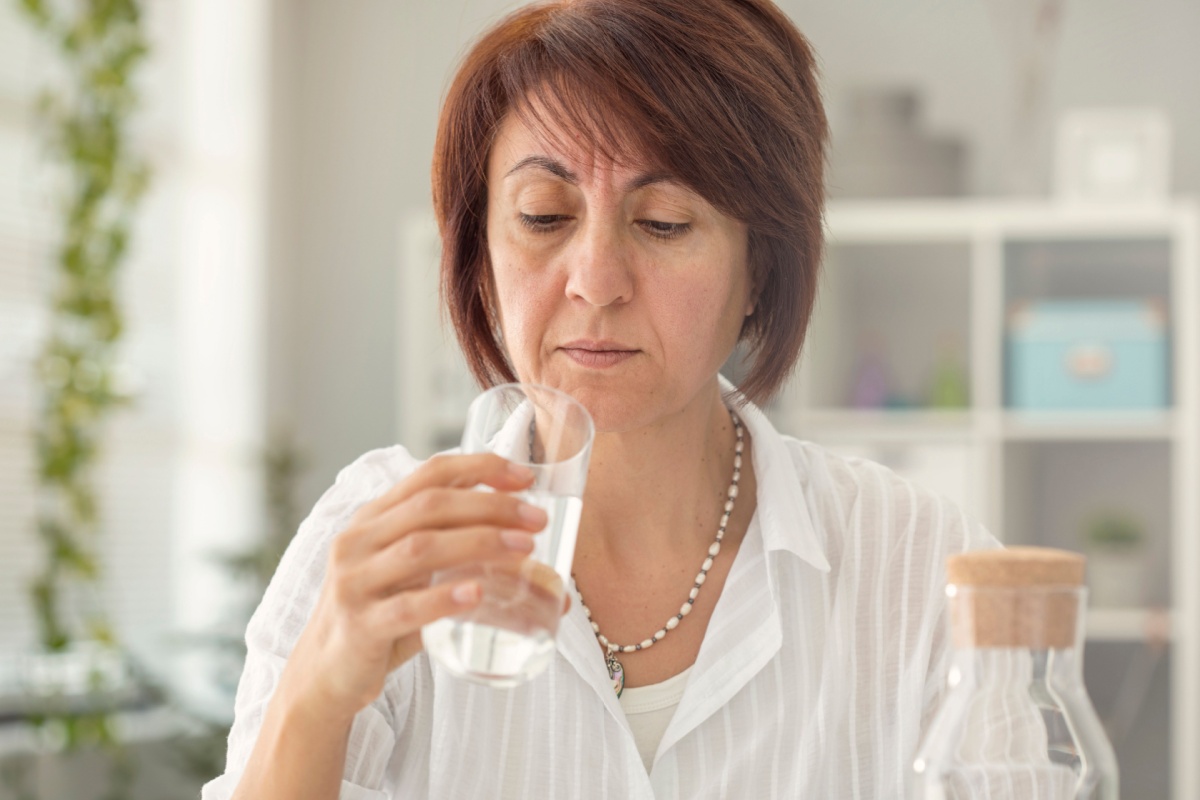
(300, 753)
(307, 700)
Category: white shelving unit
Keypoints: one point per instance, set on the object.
(915, 270)
(913, 279)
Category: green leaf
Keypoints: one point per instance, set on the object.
(37, 12)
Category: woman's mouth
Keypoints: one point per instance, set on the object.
(598, 355)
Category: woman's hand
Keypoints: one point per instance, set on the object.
(376, 594)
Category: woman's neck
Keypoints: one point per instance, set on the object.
(658, 491)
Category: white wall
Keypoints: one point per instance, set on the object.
(359, 86)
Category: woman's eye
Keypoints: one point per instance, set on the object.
(542, 222)
(666, 230)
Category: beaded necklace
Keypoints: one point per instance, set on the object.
(616, 671)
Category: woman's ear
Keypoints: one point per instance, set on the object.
(752, 296)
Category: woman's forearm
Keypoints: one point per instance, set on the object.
(300, 753)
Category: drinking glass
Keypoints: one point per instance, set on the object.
(509, 637)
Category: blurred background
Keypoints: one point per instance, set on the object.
(1008, 315)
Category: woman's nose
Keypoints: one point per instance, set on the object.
(599, 270)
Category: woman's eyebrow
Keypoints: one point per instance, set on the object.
(560, 171)
(546, 163)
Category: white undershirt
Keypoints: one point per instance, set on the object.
(649, 710)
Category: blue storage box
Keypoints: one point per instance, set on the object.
(1075, 354)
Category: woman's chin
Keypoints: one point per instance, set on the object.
(614, 409)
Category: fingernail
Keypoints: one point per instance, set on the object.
(465, 593)
(519, 472)
(531, 514)
(517, 540)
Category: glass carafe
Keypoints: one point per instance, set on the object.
(1016, 721)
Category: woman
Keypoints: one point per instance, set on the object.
(626, 189)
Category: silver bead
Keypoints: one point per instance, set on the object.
(685, 609)
(714, 548)
(672, 623)
(707, 565)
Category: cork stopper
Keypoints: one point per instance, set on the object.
(1016, 597)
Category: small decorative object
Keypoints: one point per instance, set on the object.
(898, 401)
(1115, 545)
(882, 150)
(950, 388)
(871, 381)
(1113, 155)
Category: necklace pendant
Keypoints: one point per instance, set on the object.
(616, 672)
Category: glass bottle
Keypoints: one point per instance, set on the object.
(1015, 721)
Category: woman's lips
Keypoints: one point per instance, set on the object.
(600, 359)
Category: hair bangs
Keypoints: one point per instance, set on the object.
(573, 103)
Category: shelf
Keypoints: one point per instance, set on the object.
(1040, 426)
(895, 425)
(957, 219)
(931, 425)
(1129, 624)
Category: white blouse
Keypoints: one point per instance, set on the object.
(823, 661)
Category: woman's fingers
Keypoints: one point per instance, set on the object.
(410, 560)
(443, 508)
(404, 613)
(458, 471)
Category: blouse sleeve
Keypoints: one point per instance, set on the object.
(281, 617)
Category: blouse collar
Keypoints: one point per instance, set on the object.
(782, 509)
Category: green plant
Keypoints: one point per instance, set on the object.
(85, 117)
(283, 462)
(1113, 530)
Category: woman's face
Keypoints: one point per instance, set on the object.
(614, 283)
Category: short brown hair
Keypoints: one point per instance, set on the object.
(722, 94)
